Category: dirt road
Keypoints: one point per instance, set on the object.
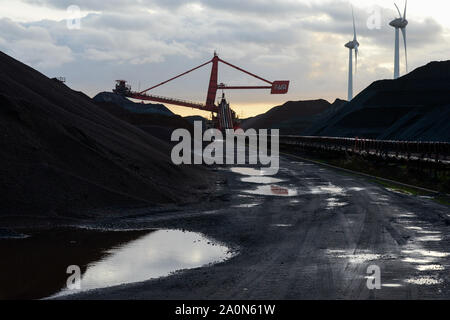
(311, 235)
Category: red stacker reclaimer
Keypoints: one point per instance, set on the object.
(223, 116)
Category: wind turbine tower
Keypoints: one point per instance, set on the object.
(400, 24)
(352, 45)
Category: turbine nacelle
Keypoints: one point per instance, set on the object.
(399, 23)
(352, 44)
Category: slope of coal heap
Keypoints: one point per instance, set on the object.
(139, 108)
(193, 119)
(158, 125)
(61, 153)
(415, 107)
(291, 118)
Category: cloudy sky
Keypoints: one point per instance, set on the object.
(148, 41)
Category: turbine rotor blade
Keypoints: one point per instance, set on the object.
(354, 25)
(356, 58)
(406, 6)
(406, 48)
(398, 10)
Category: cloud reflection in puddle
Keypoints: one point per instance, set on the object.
(155, 255)
(273, 190)
(261, 180)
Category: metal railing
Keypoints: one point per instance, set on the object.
(197, 104)
(411, 150)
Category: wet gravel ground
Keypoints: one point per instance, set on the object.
(312, 233)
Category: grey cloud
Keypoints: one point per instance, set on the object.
(88, 4)
(32, 44)
(249, 6)
(281, 39)
(220, 19)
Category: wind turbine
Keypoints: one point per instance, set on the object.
(352, 45)
(399, 24)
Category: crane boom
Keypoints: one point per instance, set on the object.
(276, 87)
(179, 76)
(244, 71)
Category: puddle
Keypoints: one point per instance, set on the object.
(249, 205)
(425, 281)
(356, 189)
(361, 258)
(358, 257)
(406, 215)
(427, 253)
(250, 171)
(378, 203)
(155, 255)
(425, 260)
(273, 190)
(418, 260)
(261, 180)
(330, 188)
(335, 203)
(414, 228)
(302, 163)
(333, 251)
(404, 221)
(105, 259)
(10, 234)
(430, 232)
(426, 197)
(429, 238)
(402, 192)
(391, 285)
(431, 267)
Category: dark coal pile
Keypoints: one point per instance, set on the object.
(415, 107)
(193, 119)
(128, 105)
(61, 153)
(158, 125)
(291, 118)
